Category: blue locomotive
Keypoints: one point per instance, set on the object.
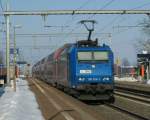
(83, 69)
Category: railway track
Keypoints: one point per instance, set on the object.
(137, 92)
(72, 110)
(118, 112)
(132, 104)
(139, 97)
(127, 112)
(130, 95)
(134, 94)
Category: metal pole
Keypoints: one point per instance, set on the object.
(14, 81)
(7, 44)
(149, 67)
(147, 70)
(74, 12)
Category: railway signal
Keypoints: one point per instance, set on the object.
(144, 62)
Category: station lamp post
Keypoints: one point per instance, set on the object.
(7, 18)
(15, 54)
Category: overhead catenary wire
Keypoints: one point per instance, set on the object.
(1, 5)
(82, 6)
(114, 19)
(143, 5)
(129, 28)
(103, 7)
(107, 4)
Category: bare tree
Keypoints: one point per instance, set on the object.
(146, 24)
(125, 62)
(144, 44)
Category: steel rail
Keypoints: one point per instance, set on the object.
(137, 116)
(141, 94)
(133, 97)
(137, 92)
(73, 12)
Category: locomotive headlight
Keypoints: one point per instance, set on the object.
(81, 79)
(106, 79)
(93, 66)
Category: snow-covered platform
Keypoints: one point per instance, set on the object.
(19, 105)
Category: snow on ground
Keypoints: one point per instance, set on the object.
(129, 79)
(19, 105)
(148, 82)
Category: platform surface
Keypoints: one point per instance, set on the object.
(19, 105)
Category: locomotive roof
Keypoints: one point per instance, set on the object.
(56, 55)
(60, 50)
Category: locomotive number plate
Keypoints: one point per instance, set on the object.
(85, 71)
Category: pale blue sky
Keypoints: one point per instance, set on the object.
(122, 39)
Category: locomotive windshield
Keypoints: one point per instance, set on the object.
(100, 55)
(84, 55)
(93, 56)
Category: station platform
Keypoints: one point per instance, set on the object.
(19, 105)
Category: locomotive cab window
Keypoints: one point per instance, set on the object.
(102, 56)
(93, 56)
(84, 56)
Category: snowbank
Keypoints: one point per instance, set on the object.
(148, 82)
(19, 105)
(129, 79)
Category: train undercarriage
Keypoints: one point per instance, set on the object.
(90, 92)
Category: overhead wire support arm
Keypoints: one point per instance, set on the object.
(73, 12)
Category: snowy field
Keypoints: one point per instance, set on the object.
(19, 105)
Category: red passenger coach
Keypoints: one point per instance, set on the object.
(56, 68)
(61, 66)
